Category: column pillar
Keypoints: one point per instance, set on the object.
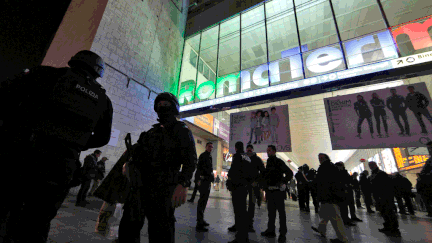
(366, 166)
(219, 158)
(76, 31)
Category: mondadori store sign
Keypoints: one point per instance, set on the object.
(369, 54)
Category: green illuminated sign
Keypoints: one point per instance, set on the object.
(206, 89)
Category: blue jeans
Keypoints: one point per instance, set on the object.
(252, 130)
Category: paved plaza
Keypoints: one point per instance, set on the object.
(77, 224)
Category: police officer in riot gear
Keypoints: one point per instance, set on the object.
(157, 184)
(52, 114)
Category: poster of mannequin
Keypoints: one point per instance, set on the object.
(262, 127)
(385, 118)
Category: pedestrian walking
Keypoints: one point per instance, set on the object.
(330, 195)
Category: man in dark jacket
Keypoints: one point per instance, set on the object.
(253, 189)
(403, 191)
(383, 193)
(366, 189)
(99, 175)
(53, 114)
(396, 104)
(423, 189)
(303, 190)
(330, 195)
(349, 199)
(418, 103)
(89, 173)
(240, 177)
(160, 172)
(205, 170)
(311, 176)
(276, 177)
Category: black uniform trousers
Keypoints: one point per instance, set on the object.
(239, 196)
(351, 205)
(388, 214)
(196, 187)
(39, 196)
(357, 197)
(85, 187)
(204, 190)
(254, 197)
(314, 194)
(408, 203)
(344, 211)
(275, 202)
(367, 199)
(155, 204)
(303, 196)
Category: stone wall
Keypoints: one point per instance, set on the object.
(140, 40)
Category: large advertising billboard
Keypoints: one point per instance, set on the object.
(262, 127)
(392, 117)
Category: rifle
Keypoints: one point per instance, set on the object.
(135, 180)
(133, 175)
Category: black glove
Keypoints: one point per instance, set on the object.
(229, 184)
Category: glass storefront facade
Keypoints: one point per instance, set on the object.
(282, 41)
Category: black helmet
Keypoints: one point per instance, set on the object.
(168, 97)
(94, 62)
(306, 167)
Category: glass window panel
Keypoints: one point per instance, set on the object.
(208, 59)
(402, 11)
(200, 66)
(228, 84)
(255, 78)
(327, 59)
(414, 37)
(316, 24)
(357, 17)
(193, 58)
(188, 72)
(371, 48)
(253, 38)
(286, 70)
(281, 28)
(229, 47)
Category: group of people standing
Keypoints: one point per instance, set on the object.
(263, 125)
(247, 176)
(336, 195)
(397, 104)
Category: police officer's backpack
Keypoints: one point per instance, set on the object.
(71, 110)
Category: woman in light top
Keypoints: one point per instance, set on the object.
(265, 125)
(258, 128)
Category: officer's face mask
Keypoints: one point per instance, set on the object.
(166, 114)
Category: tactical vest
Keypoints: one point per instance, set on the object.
(72, 110)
